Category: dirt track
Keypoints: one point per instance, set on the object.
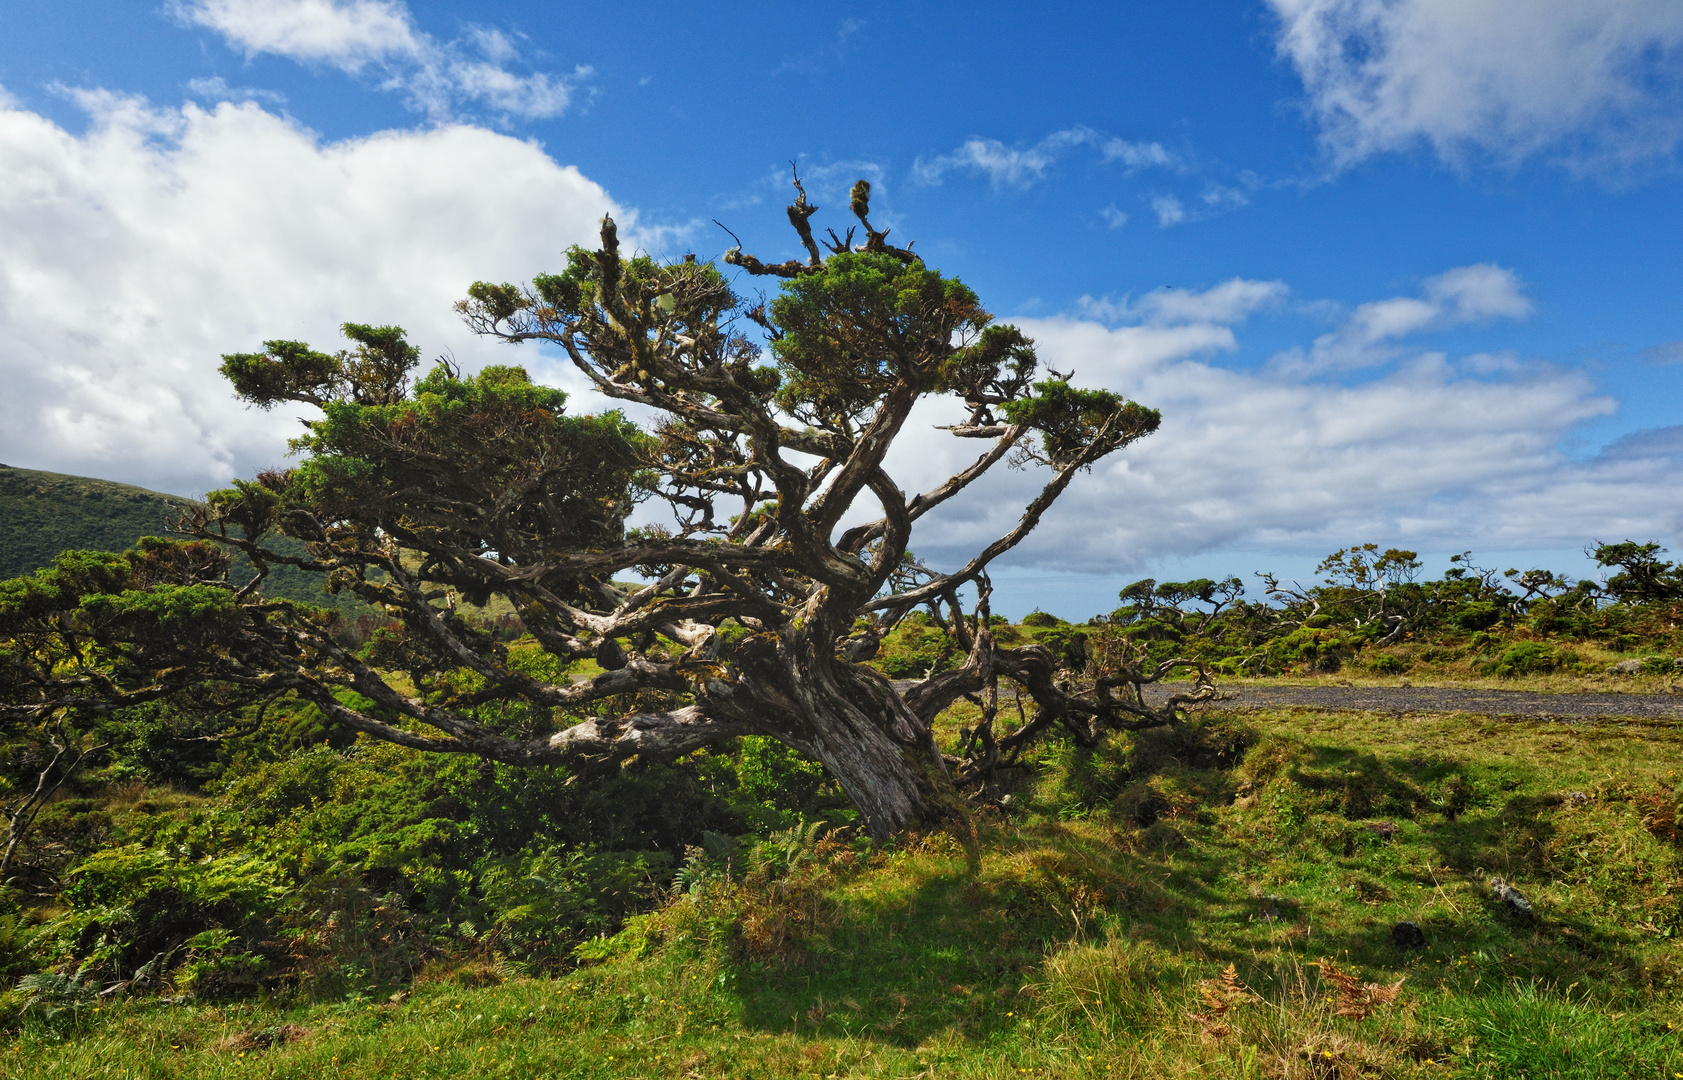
(1440, 699)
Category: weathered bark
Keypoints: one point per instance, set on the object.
(850, 718)
(880, 773)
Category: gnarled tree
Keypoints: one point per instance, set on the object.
(752, 612)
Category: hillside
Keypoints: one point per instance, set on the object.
(44, 513)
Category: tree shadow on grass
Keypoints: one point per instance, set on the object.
(938, 949)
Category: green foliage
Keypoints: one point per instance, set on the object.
(1371, 599)
(136, 911)
(832, 328)
(374, 372)
(545, 901)
(463, 437)
(1643, 576)
(327, 862)
(1070, 419)
(777, 786)
(1389, 664)
(1068, 645)
(1064, 937)
(915, 649)
(55, 997)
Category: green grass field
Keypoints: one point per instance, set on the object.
(1084, 936)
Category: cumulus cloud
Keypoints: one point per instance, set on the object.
(1427, 456)
(357, 36)
(1023, 167)
(346, 35)
(1369, 336)
(141, 250)
(1595, 83)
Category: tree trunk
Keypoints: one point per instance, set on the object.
(877, 772)
(851, 719)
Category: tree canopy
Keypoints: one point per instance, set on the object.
(750, 611)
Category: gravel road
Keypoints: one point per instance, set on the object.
(1449, 699)
(1432, 699)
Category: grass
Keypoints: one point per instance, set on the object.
(1461, 660)
(1084, 937)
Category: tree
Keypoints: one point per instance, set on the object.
(751, 613)
(1643, 576)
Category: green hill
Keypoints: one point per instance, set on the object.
(44, 513)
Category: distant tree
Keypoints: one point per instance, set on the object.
(1643, 576)
(748, 614)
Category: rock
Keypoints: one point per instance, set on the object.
(1577, 798)
(1625, 667)
(1408, 935)
(1511, 897)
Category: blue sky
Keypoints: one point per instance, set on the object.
(1395, 270)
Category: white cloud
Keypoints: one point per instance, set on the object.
(438, 78)
(1003, 165)
(1023, 167)
(1426, 457)
(1476, 293)
(1369, 336)
(1137, 155)
(1594, 83)
(1169, 210)
(1216, 199)
(1112, 217)
(1222, 197)
(1231, 301)
(216, 88)
(139, 252)
(348, 35)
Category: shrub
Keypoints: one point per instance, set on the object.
(545, 902)
(1478, 615)
(1068, 644)
(1522, 658)
(1389, 664)
(135, 911)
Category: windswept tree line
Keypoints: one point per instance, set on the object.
(1370, 610)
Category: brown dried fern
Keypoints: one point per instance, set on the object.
(1220, 996)
(1356, 999)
